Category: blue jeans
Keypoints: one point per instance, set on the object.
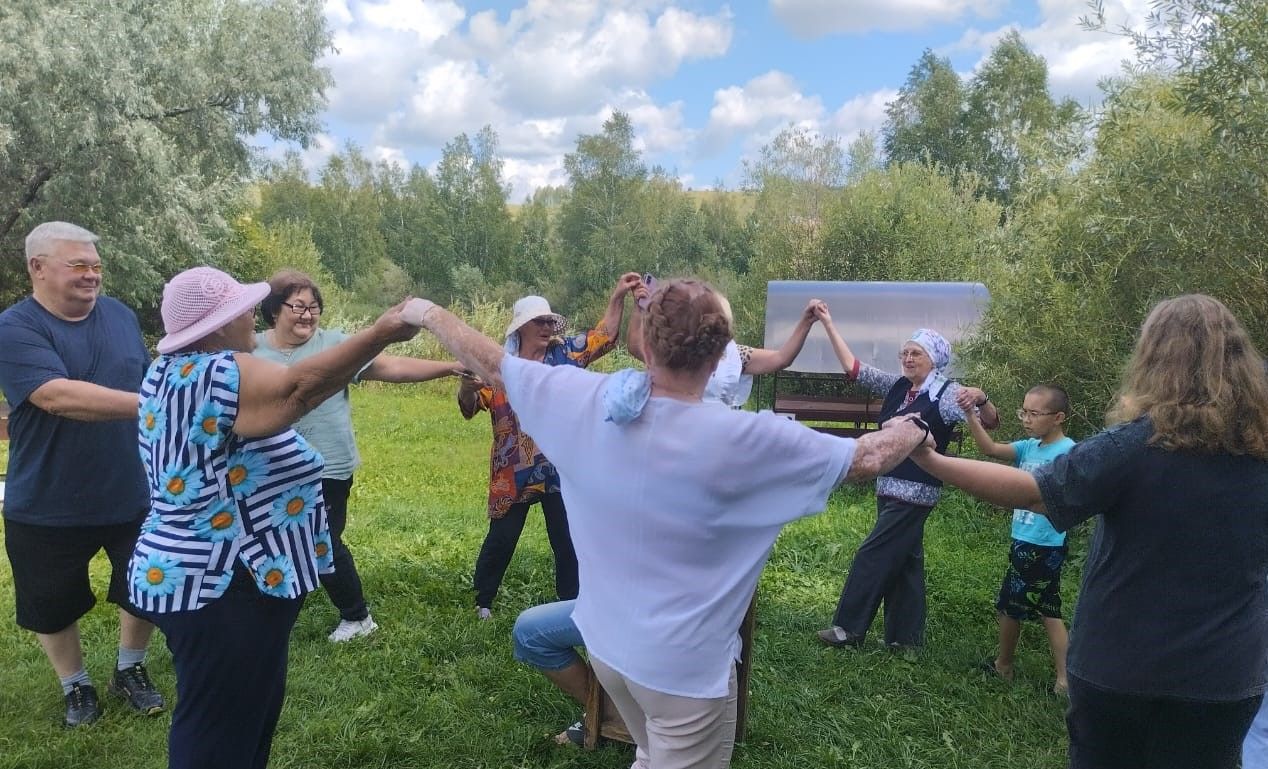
(1255, 747)
(545, 636)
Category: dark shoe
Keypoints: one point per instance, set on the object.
(133, 684)
(81, 705)
(837, 636)
(575, 734)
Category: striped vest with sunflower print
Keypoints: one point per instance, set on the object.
(216, 499)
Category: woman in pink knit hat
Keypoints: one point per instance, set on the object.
(237, 533)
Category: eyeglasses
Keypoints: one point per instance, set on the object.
(81, 268)
(1028, 414)
(300, 309)
(913, 354)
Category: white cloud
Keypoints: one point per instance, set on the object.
(811, 19)
(865, 112)
(428, 20)
(526, 176)
(772, 99)
(1077, 59)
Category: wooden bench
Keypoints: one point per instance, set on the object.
(850, 415)
(597, 721)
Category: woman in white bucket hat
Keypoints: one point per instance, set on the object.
(519, 475)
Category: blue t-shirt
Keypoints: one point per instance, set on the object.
(64, 472)
(1029, 526)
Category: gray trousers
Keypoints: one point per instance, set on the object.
(890, 567)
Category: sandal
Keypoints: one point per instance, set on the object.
(988, 667)
(575, 734)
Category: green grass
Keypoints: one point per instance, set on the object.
(436, 688)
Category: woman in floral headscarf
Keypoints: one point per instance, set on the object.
(890, 563)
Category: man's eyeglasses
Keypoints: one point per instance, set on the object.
(1028, 414)
(83, 268)
(300, 309)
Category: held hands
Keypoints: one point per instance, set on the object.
(625, 284)
(395, 324)
(820, 310)
(970, 398)
(927, 443)
(811, 313)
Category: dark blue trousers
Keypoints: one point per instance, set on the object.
(1111, 730)
(230, 659)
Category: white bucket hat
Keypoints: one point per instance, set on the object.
(531, 307)
(201, 300)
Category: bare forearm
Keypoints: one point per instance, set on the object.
(396, 369)
(843, 351)
(997, 484)
(987, 446)
(475, 350)
(611, 322)
(634, 337)
(879, 452)
(313, 380)
(84, 401)
(770, 361)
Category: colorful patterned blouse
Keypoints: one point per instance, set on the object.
(518, 472)
(217, 499)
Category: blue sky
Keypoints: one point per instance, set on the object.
(706, 83)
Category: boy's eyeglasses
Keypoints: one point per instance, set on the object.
(1028, 414)
(300, 309)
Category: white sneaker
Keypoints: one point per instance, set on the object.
(483, 613)
(349, 629)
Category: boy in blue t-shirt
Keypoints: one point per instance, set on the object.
(1032, 584)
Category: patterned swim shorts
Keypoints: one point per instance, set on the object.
(1032, 584)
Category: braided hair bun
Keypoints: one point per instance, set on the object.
(688, 325)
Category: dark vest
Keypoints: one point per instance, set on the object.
(892, 406)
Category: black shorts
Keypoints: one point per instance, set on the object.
(50, 570)
(1032, 584)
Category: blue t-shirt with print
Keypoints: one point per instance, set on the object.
(1029, 526)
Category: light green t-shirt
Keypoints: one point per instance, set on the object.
(329, 426)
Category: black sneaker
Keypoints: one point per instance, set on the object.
(133, 684)
(81, 705)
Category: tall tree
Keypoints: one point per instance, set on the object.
(1011, 122)
(599, 225)
(129, 117)
(924, 122)
(472, 195)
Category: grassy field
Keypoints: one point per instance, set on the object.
(436, 688)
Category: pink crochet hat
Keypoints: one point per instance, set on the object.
(201, 300)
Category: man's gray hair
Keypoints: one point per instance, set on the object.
(42, 238)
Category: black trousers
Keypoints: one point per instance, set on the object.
(1109, 730)
(890, 567)
(344, 586)
(504, 535)
(230, 658)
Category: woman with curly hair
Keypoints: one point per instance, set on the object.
(1167, 648)
(671, 532)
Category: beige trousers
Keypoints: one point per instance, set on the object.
(673, 732)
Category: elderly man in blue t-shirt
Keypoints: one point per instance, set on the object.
(71, 362)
